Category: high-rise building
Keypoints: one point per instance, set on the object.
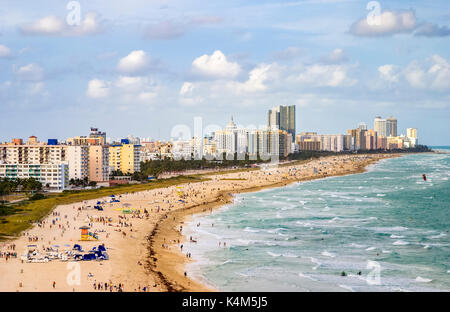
(231, 139)
(371, 140)
(124, 157)
(358, 138)
(379, 125)
(391, 127)
(282, 118)
(98, 163)
(411, 133)
(78, 160)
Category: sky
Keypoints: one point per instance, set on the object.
(144, 68)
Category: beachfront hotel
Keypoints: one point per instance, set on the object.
(78, 159)
(231, 139)
(83, 158)
(311, 141)
(125, 157)
(98, 163)
(52, 176)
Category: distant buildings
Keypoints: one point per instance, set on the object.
(79, 158)
(385, 127)
(283, 118)
(391, 127)
(379, 125)
(231, 139)
(311, 141)
(55, 164)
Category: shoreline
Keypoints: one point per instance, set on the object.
(144, 246)
(169, 265)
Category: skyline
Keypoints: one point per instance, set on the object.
(122, 70)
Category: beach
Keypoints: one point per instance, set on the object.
(142, 232)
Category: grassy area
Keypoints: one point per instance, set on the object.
(227, 171)
(17, 218)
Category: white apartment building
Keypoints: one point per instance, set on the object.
(231, 140)
(55, 176)
(332, 142)
(78, 161)
(35, 154)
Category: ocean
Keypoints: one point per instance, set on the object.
(383, 230)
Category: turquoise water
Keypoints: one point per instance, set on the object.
(386, 224)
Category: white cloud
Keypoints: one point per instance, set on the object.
(434, 74)
(335, 57)
(127, 90)
(133, 84)
(5, 51)
(257, 78)
(135, 62)
(30, 72)
(324, 76)
(57, 26)
(391, 22)
(97, 89)
(215, 66)
(389, 73)
(187, 88)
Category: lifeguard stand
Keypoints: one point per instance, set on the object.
(84, 233)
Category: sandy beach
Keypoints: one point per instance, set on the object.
(145, 246)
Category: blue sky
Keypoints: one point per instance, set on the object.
(144, 67)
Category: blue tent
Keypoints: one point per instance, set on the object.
(101, 248)
(77, 247)
(89, 257)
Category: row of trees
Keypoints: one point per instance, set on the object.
(157, 167)
(82, 182)
(8, 186)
